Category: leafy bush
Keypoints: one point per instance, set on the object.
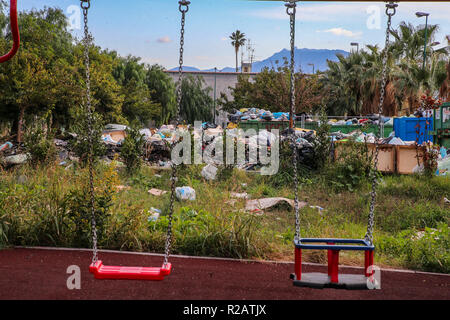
(38, 143)
(82, 143)
(133, 149)
(322, 143)
(351, 168)
(427, 250)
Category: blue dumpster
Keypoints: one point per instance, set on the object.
(406, 129)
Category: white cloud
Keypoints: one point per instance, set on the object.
(343, 32)
(164, 39)
(224, 38)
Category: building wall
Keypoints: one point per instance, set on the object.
(224, 80)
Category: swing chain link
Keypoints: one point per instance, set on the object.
(390, 12)
(184, 8)
(291, 11)
(85, 5)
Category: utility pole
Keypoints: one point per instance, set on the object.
(420, 15)
(215, 87)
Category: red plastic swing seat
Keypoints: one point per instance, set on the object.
(101, 271)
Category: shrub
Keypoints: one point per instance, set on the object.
(351, 168)
(133, 149)
(38, 143)
(322, 143)
(82, 143)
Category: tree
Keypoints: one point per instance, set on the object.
(237, 41)
(162, 91)
(196, 102)
(444, 91)
(137, 104)
(270, 90)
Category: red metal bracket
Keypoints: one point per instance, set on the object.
(14, 31)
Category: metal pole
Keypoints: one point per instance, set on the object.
(215, 86)
(425, 46)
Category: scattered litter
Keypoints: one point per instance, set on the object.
(60, 143)
(257, 212)
(446, 200)
(185, 193)
(443, 166)
(6, 146)
(22, 179)
(209, 172)
(267, 203)
(244, 195)
(154, 214)
(17, 159)
(122, 188)
(157, 192)
(318, 208)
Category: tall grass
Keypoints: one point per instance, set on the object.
(48, 206)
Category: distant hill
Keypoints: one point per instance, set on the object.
(303, 58)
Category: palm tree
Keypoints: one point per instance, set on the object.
(238, 40)
(444, 91)
(411, 80)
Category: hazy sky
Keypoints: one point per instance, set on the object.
(150, 28)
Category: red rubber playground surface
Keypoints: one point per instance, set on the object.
(41, 274)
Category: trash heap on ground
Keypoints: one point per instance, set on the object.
(260, 115)
(158, 140)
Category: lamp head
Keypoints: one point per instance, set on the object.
(422, 14)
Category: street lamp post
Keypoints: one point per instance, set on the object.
(215, 86)
(355, 44)
(420, 15)
(313, 66)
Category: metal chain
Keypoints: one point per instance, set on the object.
(390, 12)
(85, 5)
(291, 11)
(184, 8)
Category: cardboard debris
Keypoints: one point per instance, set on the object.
(157, 192)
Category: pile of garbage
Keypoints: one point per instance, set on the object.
(256, 114)
(371, 119)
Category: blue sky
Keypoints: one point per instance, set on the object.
(150, 28)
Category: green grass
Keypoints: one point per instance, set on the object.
(48, 206)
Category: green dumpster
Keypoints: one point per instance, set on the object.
(282, 125)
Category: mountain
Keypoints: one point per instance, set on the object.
(186, 68)
(303, 57)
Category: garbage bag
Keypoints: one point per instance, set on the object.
(185, 193)
(209, 172)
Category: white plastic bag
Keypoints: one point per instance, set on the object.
(185, 193)
(209, 172)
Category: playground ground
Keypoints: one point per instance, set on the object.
(37, 273)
